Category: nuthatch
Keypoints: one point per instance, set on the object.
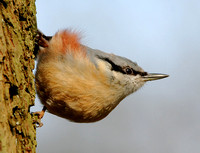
(82, 84)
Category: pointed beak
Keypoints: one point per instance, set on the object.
(154, 76)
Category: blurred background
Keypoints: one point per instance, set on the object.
(161, 36)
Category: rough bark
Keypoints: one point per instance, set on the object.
(17, 90)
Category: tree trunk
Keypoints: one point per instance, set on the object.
(17, 89)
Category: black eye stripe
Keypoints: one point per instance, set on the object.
(143, 73)
(114, 66)
(123, 70)
(140, 73)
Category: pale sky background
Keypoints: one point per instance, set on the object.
(161, 36)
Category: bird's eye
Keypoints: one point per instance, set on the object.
(128, 70)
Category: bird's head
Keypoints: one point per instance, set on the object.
(123, 74)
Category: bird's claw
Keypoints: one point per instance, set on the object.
(39, 115)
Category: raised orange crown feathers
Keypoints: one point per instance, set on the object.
(66, 41)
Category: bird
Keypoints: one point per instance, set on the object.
(81, 84)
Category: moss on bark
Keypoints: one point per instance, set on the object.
(17, 90)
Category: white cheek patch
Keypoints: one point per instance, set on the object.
(104, 66)
(126, 84)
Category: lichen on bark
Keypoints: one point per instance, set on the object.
(17, 90)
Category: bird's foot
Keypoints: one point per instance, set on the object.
(39, 115)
